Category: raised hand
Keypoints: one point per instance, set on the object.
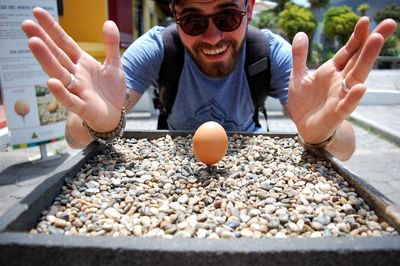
(92, 91)
(319, 102)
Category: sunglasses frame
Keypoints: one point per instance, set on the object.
(212, 16)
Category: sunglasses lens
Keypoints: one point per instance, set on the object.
(228, 20)
(194, 24)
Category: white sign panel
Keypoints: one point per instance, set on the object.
(33, 115)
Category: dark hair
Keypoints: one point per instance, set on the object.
(174, 2)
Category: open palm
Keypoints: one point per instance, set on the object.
(100, 89)
(317, 102)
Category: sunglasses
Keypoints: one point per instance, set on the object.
(225, 20)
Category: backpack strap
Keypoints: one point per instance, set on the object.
(170, 72)
(258, 70)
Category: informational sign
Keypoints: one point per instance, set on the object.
(34, 117)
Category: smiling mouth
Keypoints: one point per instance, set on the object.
(215, 51)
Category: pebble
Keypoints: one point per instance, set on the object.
(75, 193)
(244, 218)
(201, 233)
(264, 187)
(254, 212)
(227, 234)
(183, 199)
(59, 223)
(246, 232)
(112, 213)
(280, 235)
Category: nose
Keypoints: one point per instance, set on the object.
(212, 35)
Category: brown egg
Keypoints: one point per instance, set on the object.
(210, 143)
(21, 107)
(52, 107)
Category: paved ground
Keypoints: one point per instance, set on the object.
(376, 160)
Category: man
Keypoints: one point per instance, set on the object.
(213, 78)
(318, 103)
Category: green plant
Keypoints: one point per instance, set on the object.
(327, 54)
(363, 8)
(317, 4)
(281, 6)
(339, 23)
(294, 19)
(390, 11)
(266, 20)
(316, 56)
(389, 48)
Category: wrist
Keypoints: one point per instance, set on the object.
(107, 137)
(75, 135)
(317, 146)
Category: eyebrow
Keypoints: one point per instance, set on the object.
(197, 10)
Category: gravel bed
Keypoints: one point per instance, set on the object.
(264, 187)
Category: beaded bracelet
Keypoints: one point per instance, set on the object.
(317, 146)
(107, 137)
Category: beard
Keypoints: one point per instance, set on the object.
(217, 69)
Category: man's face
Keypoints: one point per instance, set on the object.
(214, 51)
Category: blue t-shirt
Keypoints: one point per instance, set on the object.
(201, 98)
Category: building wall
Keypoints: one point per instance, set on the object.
(83, 21)
(152, 14)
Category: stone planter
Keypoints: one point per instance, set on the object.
(20, 247)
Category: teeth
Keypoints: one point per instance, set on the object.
(215, 51)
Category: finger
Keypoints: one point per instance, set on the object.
(111, 43)
(357, 38)
(386, 28)
(349, 103)
(351, 63)
(48, 62)
(361, 69)
(299, 53)
(57, 34)
(31, 29)
(70, 101)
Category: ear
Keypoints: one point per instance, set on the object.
(250, 10)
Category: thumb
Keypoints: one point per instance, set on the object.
(111, 43)
(299, 53)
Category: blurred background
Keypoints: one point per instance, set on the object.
(328, 23)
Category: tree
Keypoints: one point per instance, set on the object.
(339, 23)
(266, 20)
(317, 4)
(363, 8)
(294, 19)
(389, 47)
(281, 6)
(390, 11)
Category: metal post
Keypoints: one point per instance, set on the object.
(43, 152)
